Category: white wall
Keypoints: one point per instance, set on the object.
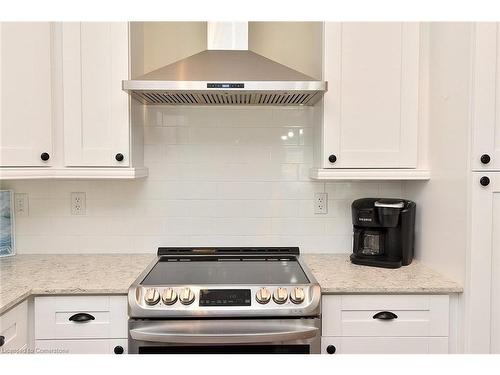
(298, 45)
(166, 42)
(218, 177)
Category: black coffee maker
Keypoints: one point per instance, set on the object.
(384, 232)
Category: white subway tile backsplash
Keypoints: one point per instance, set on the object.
(154, 135)
(49, 207)
(217, 177)
(295, 190)
(146, 243)
(242, 226)
(352, 190)
(244, 190)
(114, 244)
(298, 226)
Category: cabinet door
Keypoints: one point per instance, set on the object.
(371, 107)
(103, 346)
(385, 345)
(53, 317)
(353, 315)
(25, 94)
(486, 97)
(484, 282)
(96, 110)
(14, 329)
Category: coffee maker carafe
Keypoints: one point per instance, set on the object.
(384, 231)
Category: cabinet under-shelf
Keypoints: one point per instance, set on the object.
(24, 173)
(369, 174)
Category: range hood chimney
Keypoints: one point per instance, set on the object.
(227, 73)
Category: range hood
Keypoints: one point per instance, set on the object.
(227, 73)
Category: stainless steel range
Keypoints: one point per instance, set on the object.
(225, 300)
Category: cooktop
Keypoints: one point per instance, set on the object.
(225, 282)
(272, 271)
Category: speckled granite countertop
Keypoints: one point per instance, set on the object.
(25, 275)
(336, 274)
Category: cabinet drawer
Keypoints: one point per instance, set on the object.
(386, 345)
(415, 315)
(102, 346)
(52, 317)
(14, 328)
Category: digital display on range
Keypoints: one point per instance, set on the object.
(225, 297)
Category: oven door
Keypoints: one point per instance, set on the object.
(225, 336)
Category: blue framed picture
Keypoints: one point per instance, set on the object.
(7, 247)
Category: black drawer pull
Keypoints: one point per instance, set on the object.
(2, 340)
(81, 318)
(385, 315)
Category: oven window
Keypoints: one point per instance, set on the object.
(231, 349)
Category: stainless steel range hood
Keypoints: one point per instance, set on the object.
(226, 74)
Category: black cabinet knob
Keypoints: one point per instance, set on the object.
(331, 349)
(332, 158)
(44, 156)
(2, 340)
(119, 157)
(485, 181)
(118, 349)
(485, 158)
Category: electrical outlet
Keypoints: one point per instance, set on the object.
(320, 203)
(21, 204)
(78, 203)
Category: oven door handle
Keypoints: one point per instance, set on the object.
(224, 332)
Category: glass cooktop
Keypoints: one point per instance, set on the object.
(259, 272)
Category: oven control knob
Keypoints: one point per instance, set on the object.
(169, 297)
(263, 296)
(297, 295)
(152, 297)
(280, 295)
(187, 296)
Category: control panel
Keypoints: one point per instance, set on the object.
(225, 297)
(225, 85)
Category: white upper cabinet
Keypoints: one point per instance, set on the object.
(25, 94)
(486, 98)
(370, 114)
(96, 110)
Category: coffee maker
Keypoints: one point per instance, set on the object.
(384, 232)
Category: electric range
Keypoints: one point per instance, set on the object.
(229, 300)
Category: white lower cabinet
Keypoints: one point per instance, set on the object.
(14, 329)
(385, 324)
(102, 346)
(385, 345)
(483, 313)
(81, 324)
